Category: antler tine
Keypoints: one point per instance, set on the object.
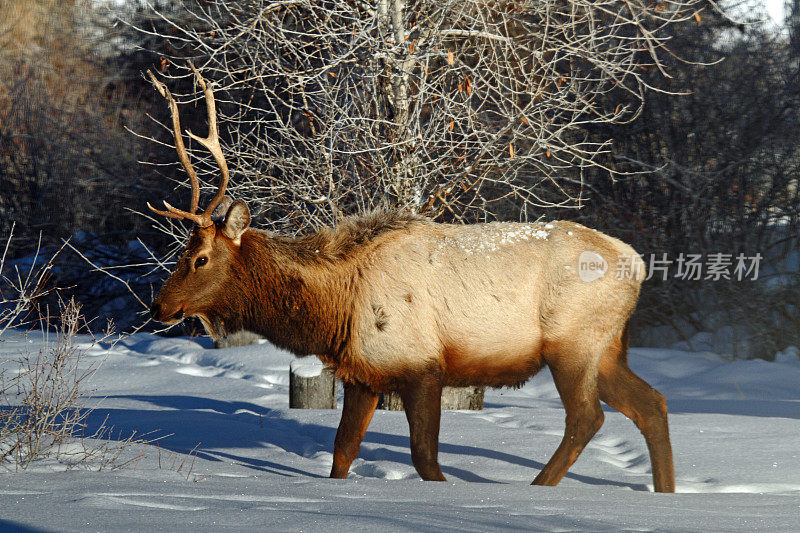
(173, 212)
(178, 214)
(212, 143)
(179, 146)
(163, 213)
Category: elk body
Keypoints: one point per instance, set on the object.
(393, 301)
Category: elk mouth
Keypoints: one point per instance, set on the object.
(177, 317)
(157, 312)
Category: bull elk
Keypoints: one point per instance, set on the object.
(396, 302)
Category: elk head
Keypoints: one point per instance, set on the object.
(196, 283)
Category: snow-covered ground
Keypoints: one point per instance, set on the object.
(735, 432)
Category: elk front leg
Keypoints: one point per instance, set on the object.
(422, 402)
(359, 406)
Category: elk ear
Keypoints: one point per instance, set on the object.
(236, 222)
(222, 209)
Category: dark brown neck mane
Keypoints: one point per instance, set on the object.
(299, 293)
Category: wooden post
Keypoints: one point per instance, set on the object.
(463, 398)
(390, 401)
(452, 398)
(311, 385)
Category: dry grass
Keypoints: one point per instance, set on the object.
(43, 396)
(66, 160)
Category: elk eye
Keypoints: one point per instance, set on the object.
(200, 261)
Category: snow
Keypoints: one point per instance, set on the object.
(788, 355)
(308, 367)
(735, 431)
(491, 237)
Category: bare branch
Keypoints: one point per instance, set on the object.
(465, 110)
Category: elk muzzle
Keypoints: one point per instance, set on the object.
(158, 313)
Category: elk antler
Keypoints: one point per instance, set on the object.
(211, 143)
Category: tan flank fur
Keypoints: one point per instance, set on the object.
(392, 301)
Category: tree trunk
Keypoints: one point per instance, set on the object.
(399, 65)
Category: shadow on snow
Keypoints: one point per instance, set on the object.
(220, 425)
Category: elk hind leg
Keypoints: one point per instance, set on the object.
(577, 387)
(359, 406)
(646, 407)
(422, 402)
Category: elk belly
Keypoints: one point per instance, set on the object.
(462, 368)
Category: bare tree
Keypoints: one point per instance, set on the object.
(464, 110)
(714, 171)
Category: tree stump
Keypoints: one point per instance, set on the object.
(239, 338)
(452, 398)
(390, 401)
(311, 385)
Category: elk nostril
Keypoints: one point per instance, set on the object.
(155, 309)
